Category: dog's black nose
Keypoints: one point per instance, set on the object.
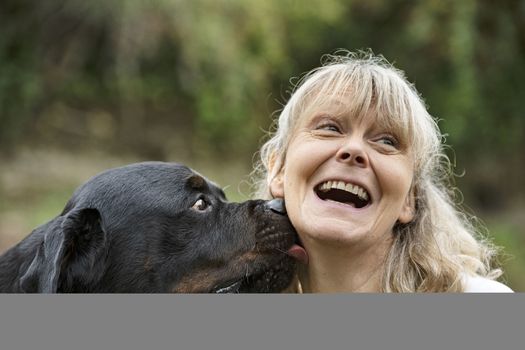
(277, 206)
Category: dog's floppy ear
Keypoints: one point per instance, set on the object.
(72, 254)
(43, 273)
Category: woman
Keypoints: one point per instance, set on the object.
(360, 164)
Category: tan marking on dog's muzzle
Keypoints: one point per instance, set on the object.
(204, 280)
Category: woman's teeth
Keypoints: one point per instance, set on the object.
(348, 187)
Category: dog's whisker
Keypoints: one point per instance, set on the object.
(281, 250)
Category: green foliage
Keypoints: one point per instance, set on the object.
(163, 77)
(513, 261)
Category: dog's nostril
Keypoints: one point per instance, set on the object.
(277, 206)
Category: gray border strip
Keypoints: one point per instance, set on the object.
(366, 321)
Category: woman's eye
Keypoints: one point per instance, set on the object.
(388, 140)
(329, 127)
(200, 205)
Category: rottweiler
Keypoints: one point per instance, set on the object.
(155, 227)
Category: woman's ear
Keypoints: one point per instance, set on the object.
(277, 185)
(408, 211)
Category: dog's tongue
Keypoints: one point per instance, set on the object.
(298, 252)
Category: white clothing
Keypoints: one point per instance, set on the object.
(477, 284)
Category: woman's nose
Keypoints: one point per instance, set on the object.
(352, 152)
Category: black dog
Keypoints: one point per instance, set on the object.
(154, 227)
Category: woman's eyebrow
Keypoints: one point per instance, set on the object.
(319, 116)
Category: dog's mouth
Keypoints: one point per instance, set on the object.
(268, 267)
(272, 268)
(270, 280)
(230, 287)
(242, 285)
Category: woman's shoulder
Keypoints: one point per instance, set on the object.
(478, 284)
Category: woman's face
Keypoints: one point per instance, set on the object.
(345, 180)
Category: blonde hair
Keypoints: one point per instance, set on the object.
(442, 244)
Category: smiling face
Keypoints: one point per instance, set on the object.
(346, 178)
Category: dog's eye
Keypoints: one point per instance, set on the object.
(200, 205)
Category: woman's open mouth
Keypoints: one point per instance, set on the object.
(343, 192)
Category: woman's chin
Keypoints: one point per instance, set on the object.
(340, 235)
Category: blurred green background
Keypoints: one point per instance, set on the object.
(88, 85)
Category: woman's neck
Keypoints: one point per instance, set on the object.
(343, 269)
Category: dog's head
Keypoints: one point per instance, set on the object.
(161, 227)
